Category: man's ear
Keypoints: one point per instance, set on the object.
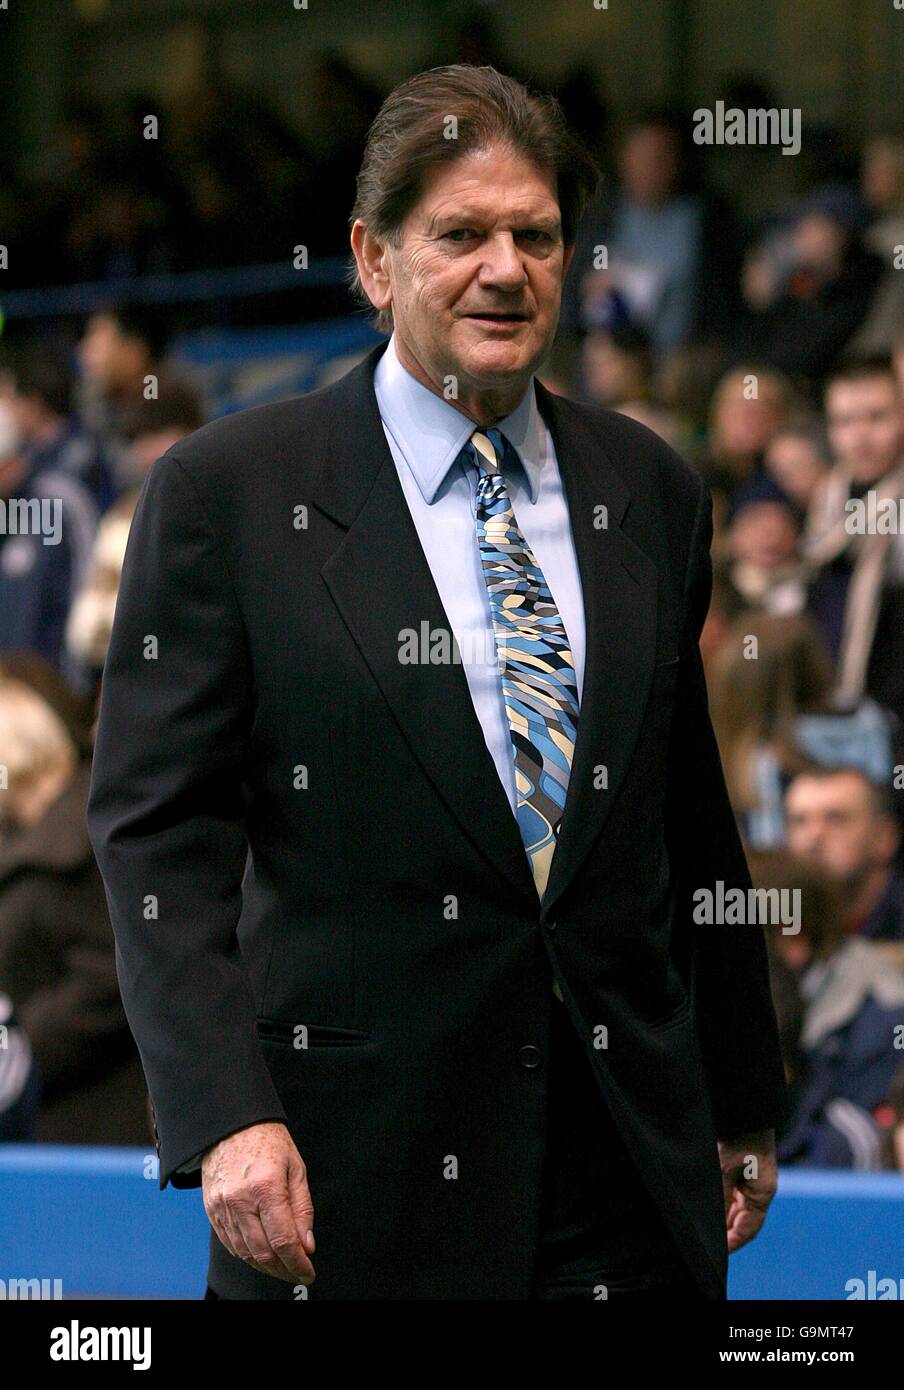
(371, 258)
(566, 258)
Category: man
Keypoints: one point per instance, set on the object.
(48, 520)
(153, 426)
(52, 435)
(857, 595)
(839, 822)
(453, 1003)
(119, 350)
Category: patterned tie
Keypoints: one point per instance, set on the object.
(539, 682)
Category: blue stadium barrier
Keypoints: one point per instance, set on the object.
(172, 287)
(96, 1219)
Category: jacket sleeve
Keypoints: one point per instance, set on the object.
(166, 821)
(735, 1016)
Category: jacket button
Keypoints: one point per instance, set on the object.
(550, 926)
(529, 1057)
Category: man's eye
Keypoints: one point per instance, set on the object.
(534, 234)
(458, 234)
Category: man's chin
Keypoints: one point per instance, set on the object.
(500, 360)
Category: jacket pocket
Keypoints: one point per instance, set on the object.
(314, 1035)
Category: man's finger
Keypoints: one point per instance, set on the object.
(285, 1234)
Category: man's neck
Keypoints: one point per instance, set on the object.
(482, 408)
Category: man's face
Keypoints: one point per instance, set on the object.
(477, 277)
(649, 165)
(866, 426)
(110, 358)
(832, 825)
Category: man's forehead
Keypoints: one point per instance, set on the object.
(474, 185)
(841, 792)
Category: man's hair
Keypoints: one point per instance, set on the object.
(864, 367)
(408, 137)
(44, 371)
(177, 406)
(880, 796)
(141, 321)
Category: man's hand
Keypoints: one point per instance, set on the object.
(256, 1196)
(747, 1198)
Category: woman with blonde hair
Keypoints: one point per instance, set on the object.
(57, 950)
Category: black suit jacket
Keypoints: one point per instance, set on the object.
(295, 828)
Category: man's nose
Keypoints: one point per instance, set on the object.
(502, 263)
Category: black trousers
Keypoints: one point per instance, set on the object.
(602, 1234)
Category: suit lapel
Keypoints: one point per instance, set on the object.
(618, 582)
(381, 584)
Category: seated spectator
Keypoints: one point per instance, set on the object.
(749, 405)
(882, 185)
(842, 824)
(119, 349)
(770, 669)
(57, 950)
(725, 606)
(762, 546)
(857, 590)
(20, 1079)
(891, 1118)
(617, 366)
(152, 427)
(48, 521)
(51, 434)
(797, 458)
(672, 264)
(853, 1003)
(805, 306)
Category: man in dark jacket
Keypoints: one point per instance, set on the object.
(405, 923)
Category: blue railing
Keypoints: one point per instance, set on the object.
(96, 1220)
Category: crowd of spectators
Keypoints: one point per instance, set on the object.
(770, 355)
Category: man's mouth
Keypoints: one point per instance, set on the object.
(492, 316)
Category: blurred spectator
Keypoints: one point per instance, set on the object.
(152, 426)
(749, 406)
(50, 432)
(20, 1079)
(853, 1001)
(48, 520)
(891, 1117)
(842, 823)
(797, 458)
(119, 350)
(882, 184)
(671, 251)
(617, 365)
(809, 291)
(616, 371)
(857, 594)
(762, 546)
(769, 670)
(725, 607)
(57, 950)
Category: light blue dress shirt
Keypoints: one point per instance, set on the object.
(426, 434)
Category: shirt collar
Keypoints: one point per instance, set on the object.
(431, 433)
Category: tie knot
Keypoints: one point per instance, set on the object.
(489, 448)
